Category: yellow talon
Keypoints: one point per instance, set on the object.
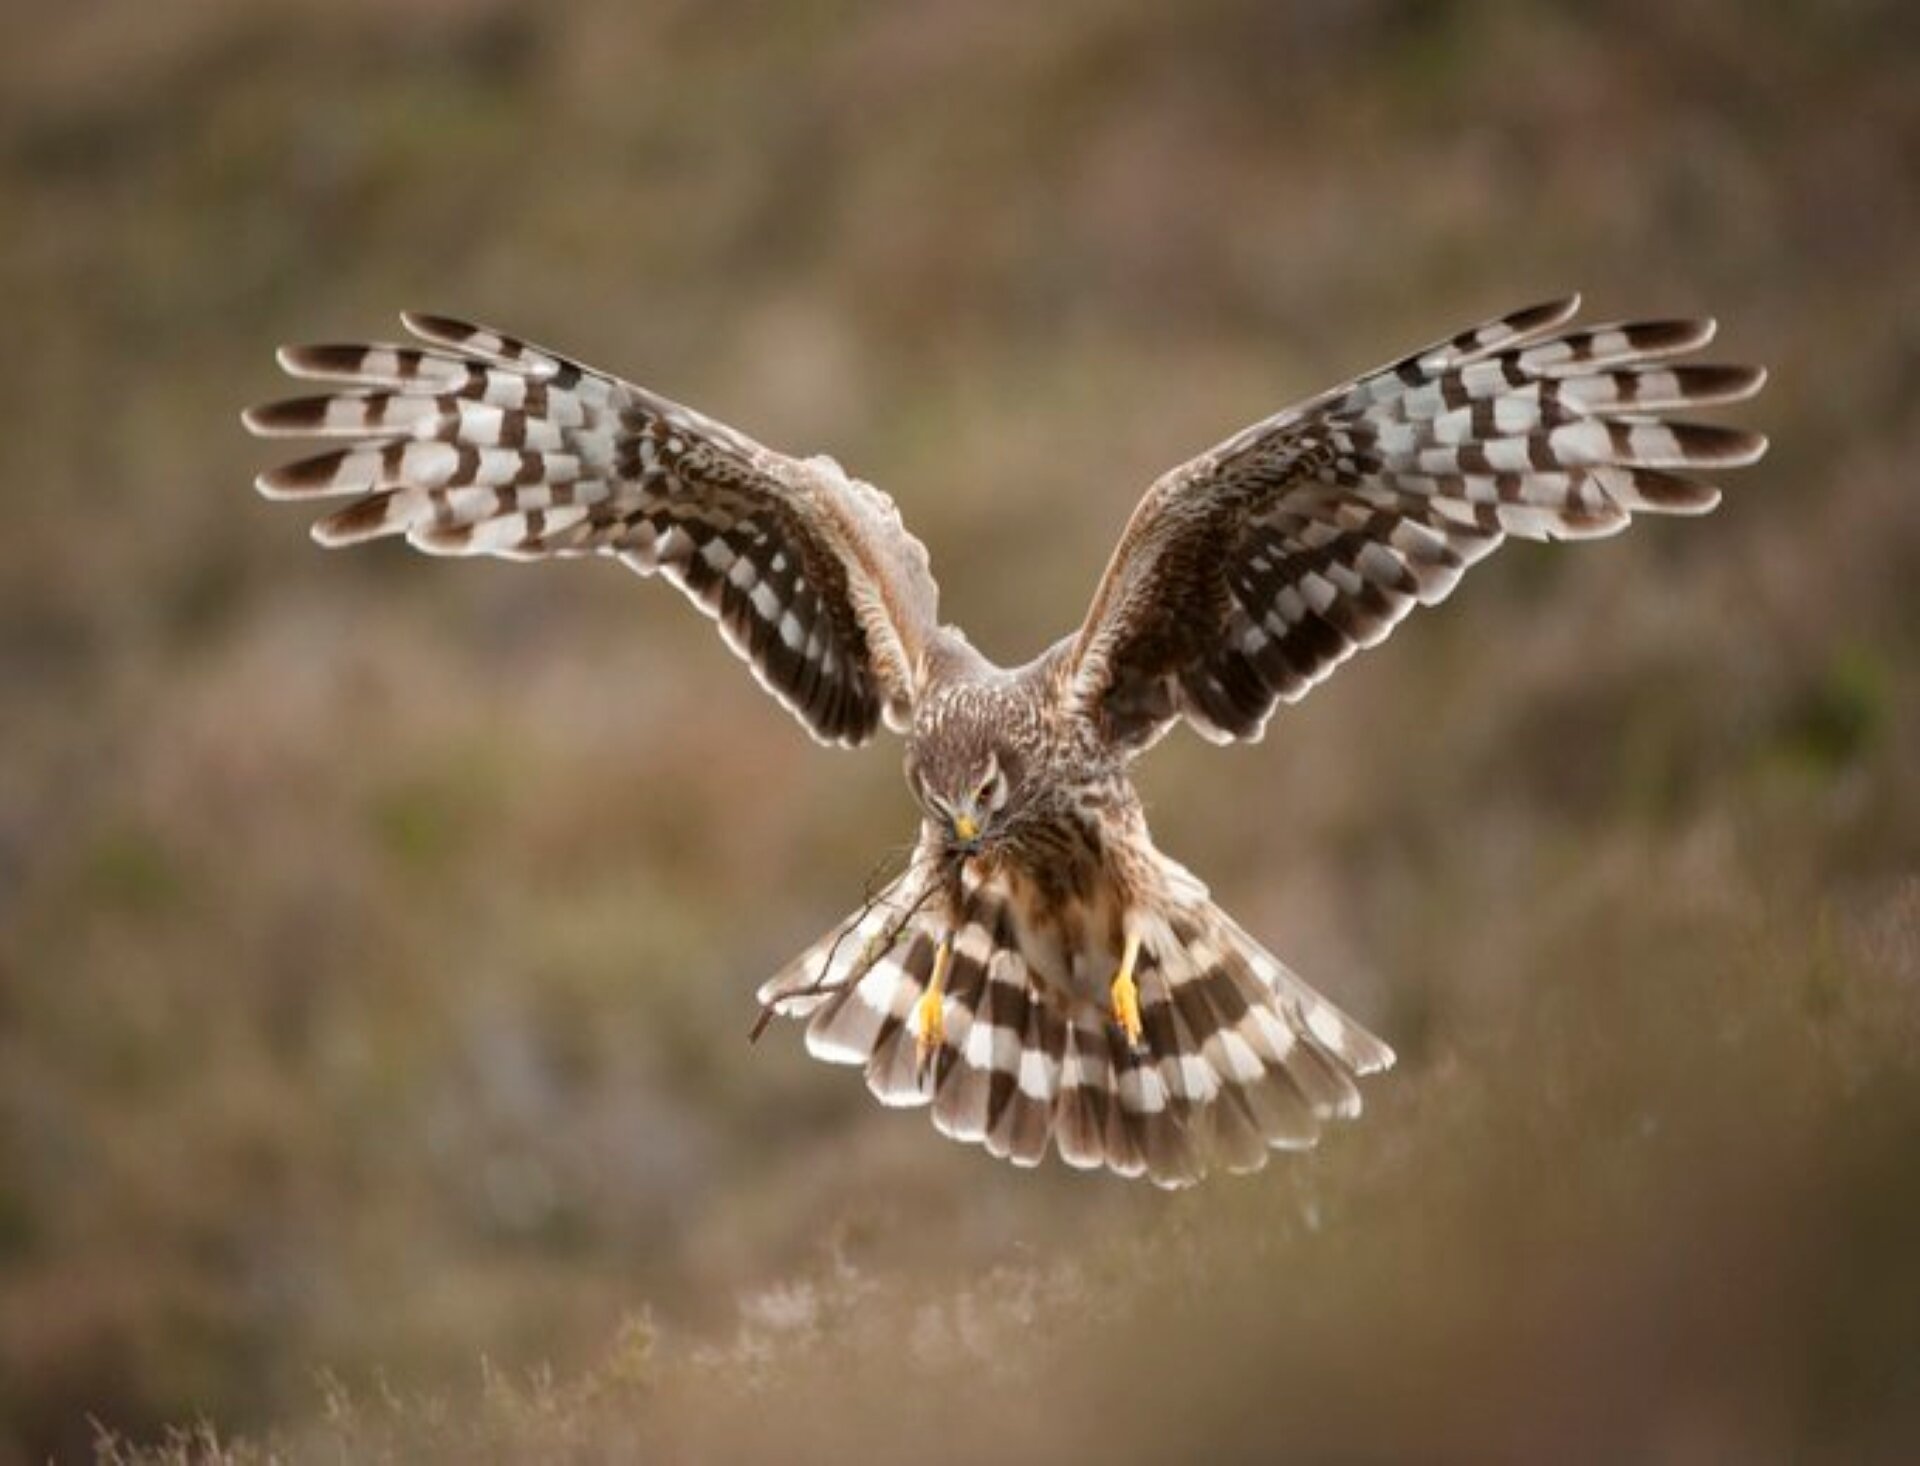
(929, 1013)
(1125, 993)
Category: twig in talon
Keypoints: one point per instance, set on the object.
(882, 942)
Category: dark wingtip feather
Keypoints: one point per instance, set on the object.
(1657, 491)
(331, 361)
(362, 520)
(1713, 385)
(442, 330)
(1664, 337)
(292, 417)
(1710, 443)
(307, 476)
(1545, 315)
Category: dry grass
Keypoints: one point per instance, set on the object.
(376, 948)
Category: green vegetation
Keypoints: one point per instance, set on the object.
(377, 936)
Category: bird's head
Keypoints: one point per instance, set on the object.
(966, 783)
(965, 796)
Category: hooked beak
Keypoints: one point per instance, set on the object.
(966, 828)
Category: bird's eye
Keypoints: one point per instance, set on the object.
(992, 793)
(988, 782)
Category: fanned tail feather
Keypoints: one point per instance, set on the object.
(1238, 1057)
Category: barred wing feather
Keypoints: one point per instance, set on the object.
(473, 443)
(1247, 575)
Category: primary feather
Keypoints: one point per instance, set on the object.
(1248, 574)
(478, 444)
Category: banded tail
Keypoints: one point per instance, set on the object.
(1239, 1056)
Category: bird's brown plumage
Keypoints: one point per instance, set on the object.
(978, 982)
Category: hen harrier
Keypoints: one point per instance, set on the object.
(1041, 973)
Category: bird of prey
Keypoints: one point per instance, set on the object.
(1041, 975)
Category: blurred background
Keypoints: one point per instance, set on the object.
(377, 935)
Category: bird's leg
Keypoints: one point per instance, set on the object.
(929, 1015)
(1125, 992)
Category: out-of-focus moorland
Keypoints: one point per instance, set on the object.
(377, 935)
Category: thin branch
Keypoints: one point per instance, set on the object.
(882, 941)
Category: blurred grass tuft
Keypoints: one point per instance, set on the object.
(1838, 719)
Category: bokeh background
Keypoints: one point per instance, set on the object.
(377, 935)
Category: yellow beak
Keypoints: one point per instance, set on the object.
(966, 828)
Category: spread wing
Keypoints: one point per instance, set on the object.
(1247, 575)
(472, 443)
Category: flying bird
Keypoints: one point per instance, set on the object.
(1040, 975)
